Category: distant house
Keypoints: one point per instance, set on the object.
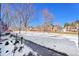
(57, 28)
(70, 29)
(3, 27)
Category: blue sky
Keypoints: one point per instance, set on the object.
(62, 12)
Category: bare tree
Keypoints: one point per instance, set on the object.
(7, 15)
(24, 13)
(48, 17)
(21, 13)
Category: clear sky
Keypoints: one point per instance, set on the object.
(62, 12)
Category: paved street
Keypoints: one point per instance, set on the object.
(43, 51)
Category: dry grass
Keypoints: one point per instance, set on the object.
(71, 33)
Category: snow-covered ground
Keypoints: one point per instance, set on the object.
(62, 43)
(9, 46)
(72, 38)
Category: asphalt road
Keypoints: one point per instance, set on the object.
(43, 51)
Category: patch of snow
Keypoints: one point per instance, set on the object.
(9, 49)
(72, 38)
